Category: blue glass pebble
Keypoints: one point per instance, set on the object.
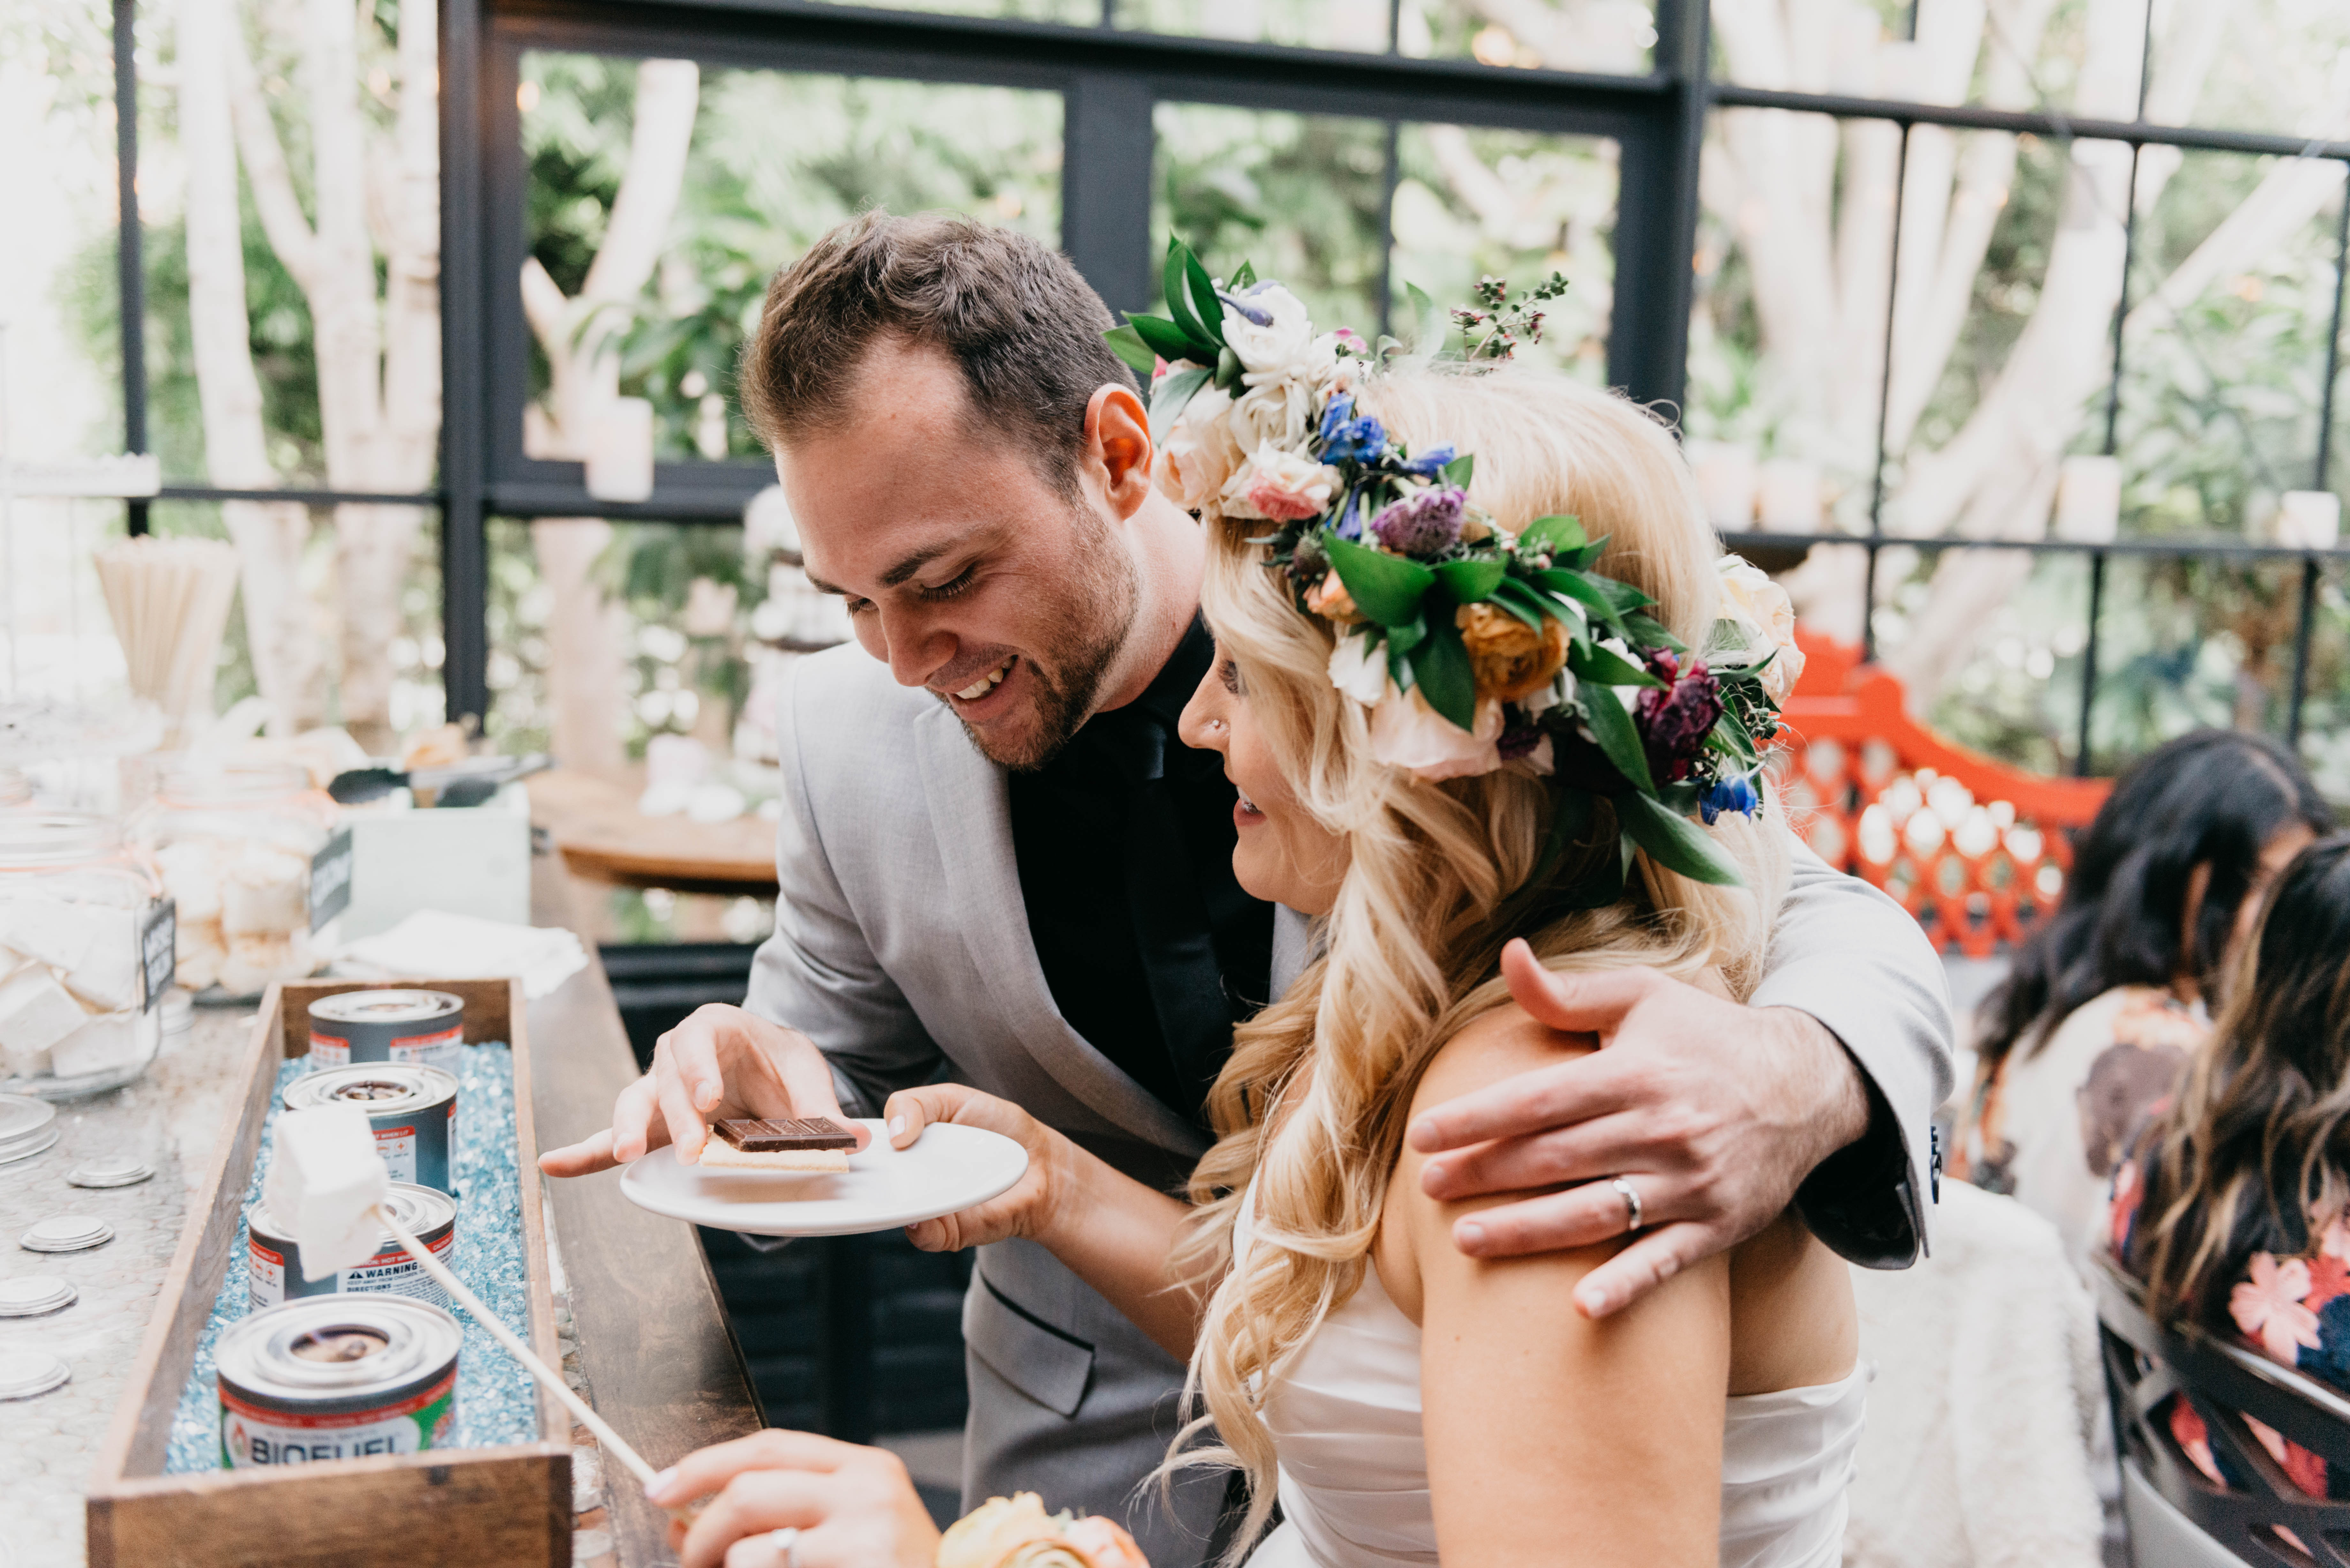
(496, 1401)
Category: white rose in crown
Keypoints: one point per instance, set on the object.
(1765, 618)
(1359, 670)
(1287, 369)
(1269, 329)
(1406, 732)
(1200, 454)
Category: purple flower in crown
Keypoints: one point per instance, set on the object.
(1519, 736)
(1425, 523)
(1430, 463)
(1254, 315)
(1348, 439)
(1676, 719)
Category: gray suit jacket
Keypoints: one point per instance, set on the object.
(901, 947)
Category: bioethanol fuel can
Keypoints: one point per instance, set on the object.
(337, 1378)
(410, 1027)
(274, 1258)
(414, 1110)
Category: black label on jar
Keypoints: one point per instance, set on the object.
(331, 878)
(159, 942)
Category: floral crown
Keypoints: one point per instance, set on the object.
(1472, 648)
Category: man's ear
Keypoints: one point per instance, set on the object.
(1117, 436)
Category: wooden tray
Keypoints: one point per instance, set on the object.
(504, 1505)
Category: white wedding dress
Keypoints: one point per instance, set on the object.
(1344, 1417)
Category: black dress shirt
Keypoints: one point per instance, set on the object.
(1124, 842)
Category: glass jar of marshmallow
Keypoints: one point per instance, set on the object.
(236, 842)
(77, 913)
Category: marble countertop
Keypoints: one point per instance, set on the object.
(172, 1117)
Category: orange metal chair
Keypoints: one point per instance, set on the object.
(1974, 848)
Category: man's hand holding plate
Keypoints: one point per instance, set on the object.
(720, 1065)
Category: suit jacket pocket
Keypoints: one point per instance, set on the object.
(1049, 1365)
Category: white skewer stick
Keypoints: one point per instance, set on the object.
(548, 1378)
(328, 1181)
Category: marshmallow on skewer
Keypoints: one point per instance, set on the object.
(327, 1184)
(324, 1184)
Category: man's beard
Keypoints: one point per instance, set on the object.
(1069, 671)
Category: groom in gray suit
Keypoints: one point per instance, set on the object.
(999, 864)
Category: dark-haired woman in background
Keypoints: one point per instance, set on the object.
(2108, 999)
(2235, 1208)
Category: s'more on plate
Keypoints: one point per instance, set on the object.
(810, 1144)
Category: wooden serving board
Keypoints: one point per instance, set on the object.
(454, 1506)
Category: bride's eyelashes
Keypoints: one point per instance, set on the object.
(1228, 675)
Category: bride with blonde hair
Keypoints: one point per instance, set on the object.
(1488, 707)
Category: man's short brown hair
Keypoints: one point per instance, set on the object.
(1019, 323)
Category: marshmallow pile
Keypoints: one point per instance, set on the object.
(243, 911)
(70, 985)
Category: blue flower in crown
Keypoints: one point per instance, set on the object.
(1429, 463)
(1347, 437)
(1735, 794)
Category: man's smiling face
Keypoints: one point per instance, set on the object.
(965, 569)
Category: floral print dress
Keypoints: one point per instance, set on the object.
(2295, 1310)
(2048, 1125)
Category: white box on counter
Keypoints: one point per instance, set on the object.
(473, 861)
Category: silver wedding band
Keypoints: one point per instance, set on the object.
(1631, 1197)
(786, 1541)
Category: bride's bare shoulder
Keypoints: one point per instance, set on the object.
(1493, 1046)
(1506, 1040)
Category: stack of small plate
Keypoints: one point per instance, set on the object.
(24, 1373)
(30, 1295)
(67, 1233)
(27, 1127)
(110, 1170)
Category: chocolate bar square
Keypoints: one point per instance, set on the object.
(779, 1136)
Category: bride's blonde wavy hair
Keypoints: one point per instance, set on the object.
(1435, 885)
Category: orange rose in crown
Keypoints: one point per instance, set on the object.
(1512, 660)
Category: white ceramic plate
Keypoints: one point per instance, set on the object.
(948, 1170)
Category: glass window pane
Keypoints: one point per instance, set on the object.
(56, 639)
(2012, 688)
(2325, 712)
(1312, 23)
(2185, 644)
(1473, 202)
(649, 657)
(607, 637)
(63, 387)
(1615, 37)
(1082, 13)
(1983, 218)
(358, 643)
(2224, 352)
(1787, 327)
(2022, 58)
(1304, 197)
(747, 202)
(2251, 65)
(234, 161)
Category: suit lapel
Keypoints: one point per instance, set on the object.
(972, 816)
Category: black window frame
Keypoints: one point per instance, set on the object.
(1111, 78)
